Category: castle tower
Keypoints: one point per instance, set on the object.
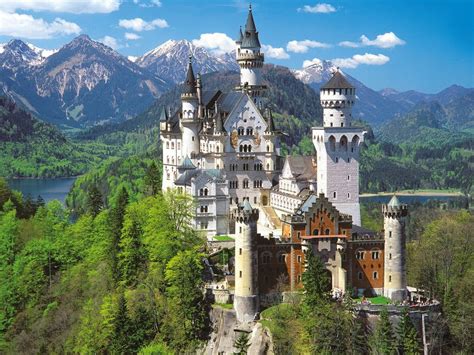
(337, 146)
(250, 60)
(189, 114)
(246, 300)
(395, 281)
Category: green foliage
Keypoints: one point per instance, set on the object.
(441, 262)
(407, 337)
(242, 344)
(95, 202)
(383, 340)
(317, 283)
(153, 179)
(187, 316)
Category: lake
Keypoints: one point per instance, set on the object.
(408, 199)
(48, 189)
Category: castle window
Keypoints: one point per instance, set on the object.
(334, 194)
(246, 184)
(389, 278)
(390, 234)
(331, 122)
(359, 275)
(266, 258)
(343, 143)
(255, 199)
(298, 235)
(327, 231)
(281, 258)
(348, 195)
(337, 160)
(360, 255)
(299, 259)
(348, 160)
(240, 274)
(375, 254)
(240, 251)
(230, 200)
(167, 144)
(375, 275)
(390, 256)
(205, 192)
(192, 138)
(179, 145)
(332, 143)
(268, 147)
(299, 278)
(172, 145)
(249, 131)
(315, 232)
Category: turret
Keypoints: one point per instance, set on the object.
(163, 120)
(246, 300)
(199, 96)
(337, 98)
(250, 60)
(189, 114)
(395, 280)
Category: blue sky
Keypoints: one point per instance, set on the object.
(421, 45)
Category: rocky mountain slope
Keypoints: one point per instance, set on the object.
(83, 83)
(169, 60)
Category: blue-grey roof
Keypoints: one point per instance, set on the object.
(247, 207)
(307, 204)
(187, 164)
(394, 202)
(163, 115)
(190, 82)
(250, 35)
(228, 101)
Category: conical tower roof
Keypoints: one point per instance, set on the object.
(163, 115)
(190, 82)
(394, 202)
(247, 207)
(250, 37)
(270, 123)
(240, 36)
(219, 123)
(187, 164)
(338, 81)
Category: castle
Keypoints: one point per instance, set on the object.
(224, 150)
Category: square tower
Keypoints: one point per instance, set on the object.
(337, 146)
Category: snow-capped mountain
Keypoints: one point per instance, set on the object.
(17, 53)
(320, 71)
(169, 60)
(83, 83)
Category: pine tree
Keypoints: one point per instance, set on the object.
(95, 202)
(383, 341)
(131, 257)
(122, 327)
(116, 223)
(241, 343)
(407, 336)
(153, 179)
(316, 282)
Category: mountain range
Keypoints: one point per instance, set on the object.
(86, 83)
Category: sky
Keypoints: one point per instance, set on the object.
(423, 45)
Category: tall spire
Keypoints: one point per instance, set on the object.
(190, 82)
(250, 38)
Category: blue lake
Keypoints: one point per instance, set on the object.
(408, 199)
(48, 189)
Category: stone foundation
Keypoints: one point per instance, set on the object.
(246, 308)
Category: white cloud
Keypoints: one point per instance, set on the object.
(138, 24)
(131, 36)
(303, 46)
(110, 41)
(356, 60)
(26, 26)
(72, 6)
(314, 61)
(272, 52)
(318, 8)
(151, 3)
(386, 40)
(217, 43)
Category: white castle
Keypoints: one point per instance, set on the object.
(223, 148)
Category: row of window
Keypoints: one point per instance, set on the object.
(246, 167)
(204, 209)
(360, 254)
(338, 91)
(375, 276)
(172, 145)
(334, 195)
(242, 131)
(236, 200)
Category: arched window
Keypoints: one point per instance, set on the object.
(241, 148)
(355, 143)
(315, 232)
(206, 191)
(343, 143)
(249, 148)
(268, 147)
(327, 231)
(332, 143)
(266, 257)
(167, 144)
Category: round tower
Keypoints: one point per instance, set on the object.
(337, 98)
(189, 114)
(250, 60)
(246, 300)
(395, 279)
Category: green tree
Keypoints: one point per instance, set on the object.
(383, 342)
(116, 216)
(95, 202)
(153, 179)
(242, 344)
(120, 343)
(317, 284)
(407, 337)
(131, 259)
(187, 316)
